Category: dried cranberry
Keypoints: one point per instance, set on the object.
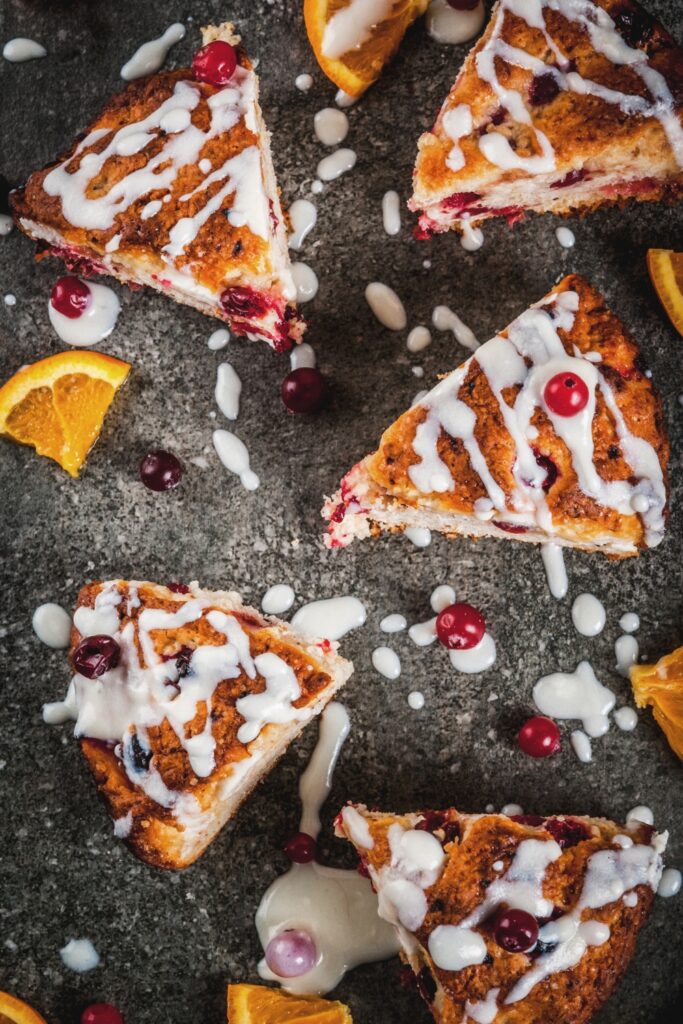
(244, 302)
(423, 230)
(460, 200)
(76, 263)
(534, 820)
(426, 985)
(439, 820)
(511, 527)
(178, 588)
(635, 26)
(182, 661)
(571, 178)
(96, 655)
(567, 831)
(141, 756)
(551, 470)
(543, 89)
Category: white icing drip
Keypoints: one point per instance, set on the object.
(303, 82)
(588, 615)
(80, 955)
(391, 213)
(10, 299)
(452, 947)
(228, 390)
(576, 695)
(386, 305)
(629, 622)
(640, 813)
(305, 281)
(626, 653)
(234, 455)
(338, 909)
(444, 319)
(420, 536)
(423, 633)
(317, 187)
(450, 26)
(521, 887)
(556, 573)
(52, 625)
(565, 237)
(441, 597)
(94, 324)
(352, 26)
(336, 164)
(331, 619)
(485, 1011)
(386, 662)
(416, 700)
(476, 659)
(151, 55)
(457, 123)
(219, 339)
(670, 883)
(342, 99)
(358, 829)
(626, 719)
(582, 746)
(275, 704)
(303, 216)
(302, 355)
(331, 126)
(277, 599)
(471, 238)
(418, 339)
(393, 623)
(16, 51)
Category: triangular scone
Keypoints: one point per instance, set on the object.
(173, 187)
(443, 878)
(562, 105)
(482, 455)
(206, 697)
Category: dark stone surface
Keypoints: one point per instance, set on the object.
(170, 942)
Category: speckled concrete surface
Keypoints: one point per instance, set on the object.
(170, 942)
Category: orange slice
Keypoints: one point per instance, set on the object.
(353, 41)
(256, 1004)
(666, 271)
(13, 1011)
(661, 686)
(58, 404)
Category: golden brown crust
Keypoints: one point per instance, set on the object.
(575, 515)
(155, 833)
(582, 129)
(473, 844)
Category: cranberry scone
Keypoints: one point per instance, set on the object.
(563, 105)
(514, 920)
(549, 432)
(183, 700)
(173, 187)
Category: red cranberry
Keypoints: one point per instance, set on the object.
(566, 394)
(243, 302)
(462, 5)
(567, 831)
(516, 931)
(433, 820)
(510, 527)
(460, 200)
(179, 588)
(460, 626)
(70, 297)
(96, 655)
(635, 26)
(551, 471)
(215, 63)
(301, 848)
(160, 470)
(539, 737)
(101, 1013)
(571, 178)
(534, 820)
(543, 89)
(304, 390)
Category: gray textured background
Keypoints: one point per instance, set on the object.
(170, 942)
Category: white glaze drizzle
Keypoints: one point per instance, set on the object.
(444, 319)
(448, 25)
(302, 355)
(336, 908)
(476, 659)
(629, 622)
(219, 339)
(565, 237)
(393, 623)
(278, 599)
(80, 956)
(391, 213)
(336, 164)
(305, 281)
(303, 216)
(151, 55)
(386, 305)
(576, 695)
(303, 82)
(16, 51)
(555, 571)
(331, 126)
(588, 615)
(418, 339)
(419, 536)
(228, 390)
(234, 455)
(670, 883)
(386, 662)
(331, 618)
(416, 700)
(626, 654)
(52, 625)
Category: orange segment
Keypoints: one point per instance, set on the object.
(58, 404)
(352, 42)
(666, 271)
(13, 1011)
(256, 1004)
(661, 686)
